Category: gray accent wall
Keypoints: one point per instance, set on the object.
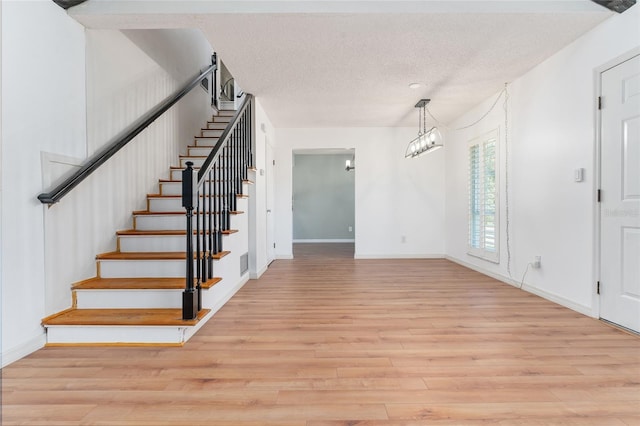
(323, 197)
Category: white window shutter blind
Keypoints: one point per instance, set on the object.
(483, 197)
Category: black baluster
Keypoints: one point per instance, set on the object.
(189, 297)
(201, 236)
(210, 218)
(227, 190)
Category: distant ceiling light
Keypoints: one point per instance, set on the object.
(415, 85)
(616, 5)
(427, 140)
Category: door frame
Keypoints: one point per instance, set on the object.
(269, 156)
(597, 309)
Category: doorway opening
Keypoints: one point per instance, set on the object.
(323, 201)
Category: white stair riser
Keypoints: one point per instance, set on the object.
(175, 188)
(161, 222)
(142, 268)
(175, 174)
(116, 334)
(157, 243)
(216, 126)
(166, 268)
(199, 151)
(212, 133)
(128, 299)
(222, 118)
(165, 204)
(174, 204)
(197, 161)
(166, 222)
(171, 188)
(152, 243)
(206, 142)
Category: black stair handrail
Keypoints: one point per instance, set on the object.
(215, 152)
(56, 194)
(212, 193)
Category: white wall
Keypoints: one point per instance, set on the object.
(552, 132)
(395, 197)
(323, 197)
(258, 191)
(43, 109)
(58, 116)
(1, 310)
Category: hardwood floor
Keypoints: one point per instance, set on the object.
(325, 340)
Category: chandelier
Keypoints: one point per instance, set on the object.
(427, 140)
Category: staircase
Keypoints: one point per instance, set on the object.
(136, 296)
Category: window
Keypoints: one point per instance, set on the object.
(483, 197)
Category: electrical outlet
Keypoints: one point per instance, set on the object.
(403, 239)
(351, 229)
(536, 262)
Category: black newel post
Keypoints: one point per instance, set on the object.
(189, 198)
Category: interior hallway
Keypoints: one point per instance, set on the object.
(326, 340)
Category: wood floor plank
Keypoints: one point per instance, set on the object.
(326, 340)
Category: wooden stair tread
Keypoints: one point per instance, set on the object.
(98, 283)
(117, 255)
(123, 317)
(181, 213)
(180, 196)
(167, 255)
(163, 232)
(158, 232)
(182, 168)
(220, 255)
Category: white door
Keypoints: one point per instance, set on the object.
(620, 197)
(271, 241)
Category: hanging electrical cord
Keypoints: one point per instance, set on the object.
(505, 105)
(524, 275)
(439, 123)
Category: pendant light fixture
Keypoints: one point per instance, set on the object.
(427, 140)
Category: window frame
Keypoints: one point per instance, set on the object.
(477, 239)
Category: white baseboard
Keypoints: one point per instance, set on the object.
(257, 274)
(12, 355)
(215, 308)
(324, 241)
(585, 310)
(232, 291)
(399, 256)
(287, 256)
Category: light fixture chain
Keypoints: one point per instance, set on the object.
(424, 119)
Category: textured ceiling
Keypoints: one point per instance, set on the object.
(349, 64)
